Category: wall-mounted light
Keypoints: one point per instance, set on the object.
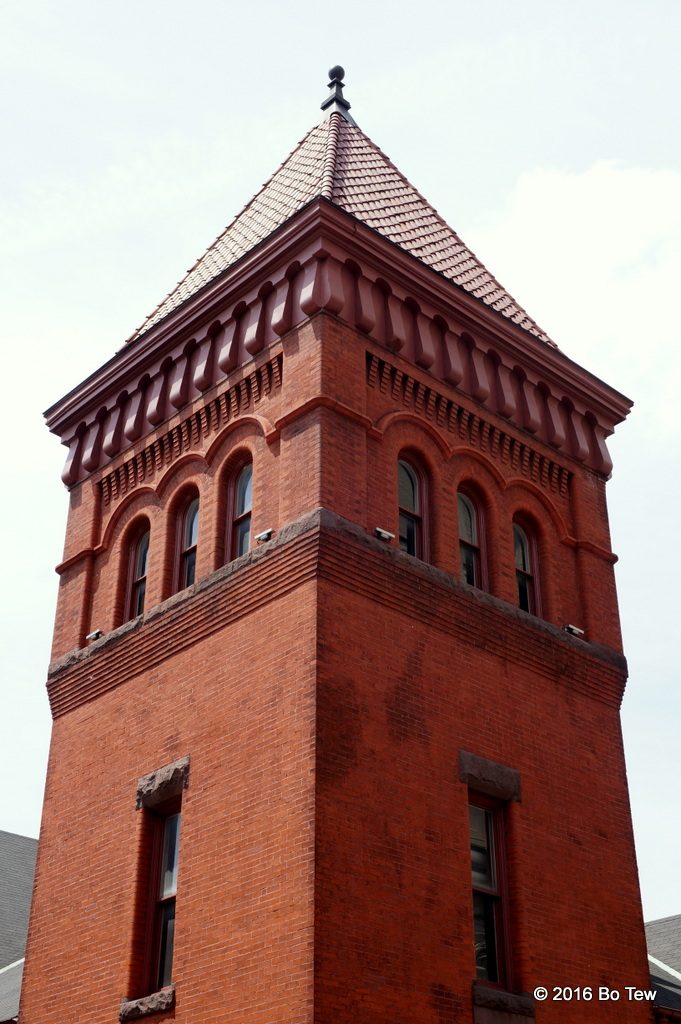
(385, 535)
(573, 630)
(94, 635)
(260, 538)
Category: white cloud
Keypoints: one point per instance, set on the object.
(595, 258)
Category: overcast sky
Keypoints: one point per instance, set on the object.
(545, 133)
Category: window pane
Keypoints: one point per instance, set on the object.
(141, 559)
(485, 937)
(167, 943)
(171, 845)
(482, 847)
(522, 549)
(408, 534)
(138, 597)
(408, 487)
(469, 565)
(242, 536)
(188, 568)
(191, 524)
(525, 592)
(244, 489)
(468, 530)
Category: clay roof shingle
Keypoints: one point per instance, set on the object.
(338, 162)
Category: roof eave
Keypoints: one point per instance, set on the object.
(545, 359)
(322, 219)
(138, 353)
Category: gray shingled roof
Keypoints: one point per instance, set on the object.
(17, 867)
(664, 946)
(10, 990)
(664, 940)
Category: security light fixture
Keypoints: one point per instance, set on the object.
(573, 630)
(262, 537)
(385, 535)
(94, 635)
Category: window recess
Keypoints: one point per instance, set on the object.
(159, 796)
(487, 874)
(239, 533)
(189, 536)
(410, 501)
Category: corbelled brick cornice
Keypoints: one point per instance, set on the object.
(323, 259)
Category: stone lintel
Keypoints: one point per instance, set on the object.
(484, 776)
(163, 784)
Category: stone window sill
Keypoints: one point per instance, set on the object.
(157, 1002)
(495, 1006)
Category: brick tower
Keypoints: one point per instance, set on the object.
(337, 665)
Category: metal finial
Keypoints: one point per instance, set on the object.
(335, 101)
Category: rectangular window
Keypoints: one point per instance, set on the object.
(488, 882)
(150, 983)
(164, 912)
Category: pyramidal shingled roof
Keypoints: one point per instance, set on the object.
(338, 162)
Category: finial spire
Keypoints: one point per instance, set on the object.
(335, 101)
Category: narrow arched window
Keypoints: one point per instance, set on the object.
(470, 541)
(137, 586)
(189, 535)
(410, 501)
(525, 570)
(240, 540)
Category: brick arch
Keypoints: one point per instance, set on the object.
(145, 496)
(480, 460)
(527, 488)
(178, 469)
(110, 567)
(235, 459)
(391, 419)
(416, 448)
(473, 471)
(263, 427)
(469, 483)
(480, 482)
(422, 468)
(418, 445)
(414, 455)
(128, 537)
(408, 435)
(529, 508)
(184, 493)
(181, 495)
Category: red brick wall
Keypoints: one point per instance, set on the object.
(404, 666)
(324, 438)
(241, 704)
(397, 700)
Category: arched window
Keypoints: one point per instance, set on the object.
(525, 569)
(470, 540)
(240, 540)
(410, 502)
(189, 534)
(137, 575)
